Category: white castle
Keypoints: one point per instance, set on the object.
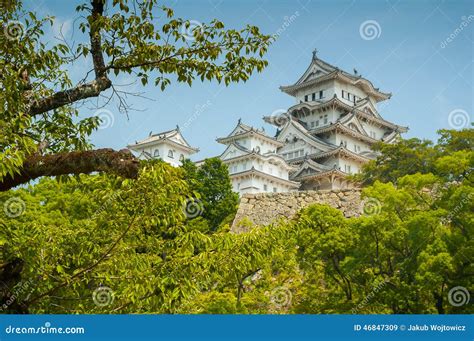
(169, 146)
(325, 136)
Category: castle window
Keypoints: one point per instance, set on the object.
(343, 96)
(325, 119)
(265, 187)
(170, 154)
(156, 153)
(181, 157)
(347, 168)
(321, 94)
(313, 96)
(306, 98)
(312, 124)
(238, 185)
(274, 189)
(317, 123)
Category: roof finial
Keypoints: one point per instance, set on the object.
(239, 121)
(315, 51)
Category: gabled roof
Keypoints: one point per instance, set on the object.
(317, 167)
(364, 104)
(247, 154)
(335, 102)
(339, 127)
(392, 137)
(341, 151)
(234, 147)
(254, 172)
(351, 118)
(305, 135)
(335, 172)
(319, 71)
(174, 137)
(242, 130)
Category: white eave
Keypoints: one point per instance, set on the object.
(166, 136)
(336, 172)
(333, 72)
(273, 158)
(252, 132)
(345, 130)
(337, 102)
(254, 172)
(343, 151)
(317, 167)
(136, 146)
(316, 142)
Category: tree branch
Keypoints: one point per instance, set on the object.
(90, 89)
(122, 163)
(61, 98)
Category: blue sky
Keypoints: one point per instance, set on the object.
(409, 56)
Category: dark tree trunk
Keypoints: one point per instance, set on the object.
(10, 278)
(122, 163)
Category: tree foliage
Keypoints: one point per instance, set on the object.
(422, 156)
(411, 250)
(211, 182)
(39, 101)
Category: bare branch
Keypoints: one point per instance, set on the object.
(91, 89)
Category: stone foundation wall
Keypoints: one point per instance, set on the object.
(266, 208)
